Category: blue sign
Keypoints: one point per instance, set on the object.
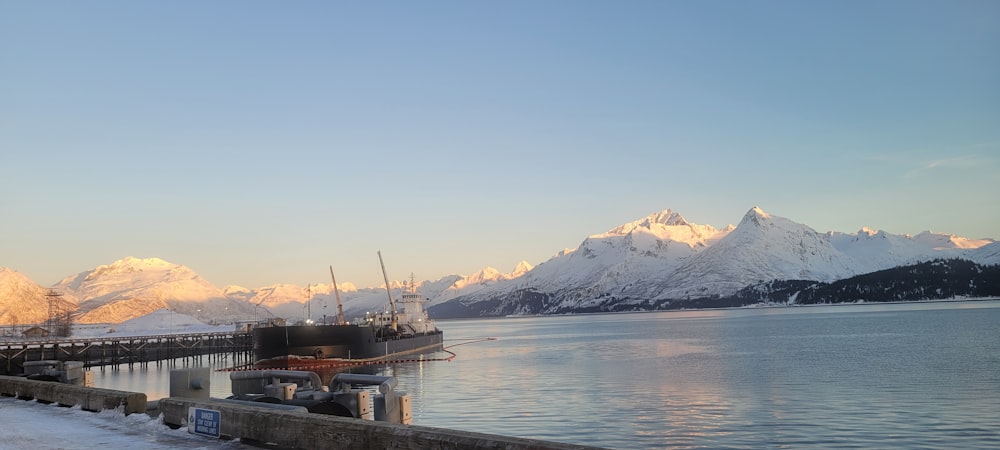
(206, 422)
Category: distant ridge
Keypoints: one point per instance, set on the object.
(132, 287)
(658, 261)
(664, 261)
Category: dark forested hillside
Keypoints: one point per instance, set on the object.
(934, 280)
(939, 279)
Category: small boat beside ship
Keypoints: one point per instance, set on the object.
(377, 336)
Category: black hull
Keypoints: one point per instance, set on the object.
(351, 342)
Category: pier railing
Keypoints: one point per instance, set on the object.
(130, 350)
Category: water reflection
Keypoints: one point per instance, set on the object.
(856, 376)
(154, 379)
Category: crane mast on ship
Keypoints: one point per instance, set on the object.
(392, 304)
(309, 313)
(336, 293)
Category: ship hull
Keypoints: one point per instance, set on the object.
(342, 342)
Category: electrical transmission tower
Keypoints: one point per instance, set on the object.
(58, 323)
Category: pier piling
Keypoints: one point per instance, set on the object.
(141, 350)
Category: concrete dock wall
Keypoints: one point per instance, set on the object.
(90, 399)
(318, 431)
(264, 424)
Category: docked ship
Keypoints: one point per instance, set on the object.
(376, 336)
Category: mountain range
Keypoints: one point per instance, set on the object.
(665, 260)
(659, 260)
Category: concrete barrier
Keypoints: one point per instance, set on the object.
(90, 399)
(318, 431)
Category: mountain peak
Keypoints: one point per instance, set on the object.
(131, 265)
(666, 217)
(131, 262)
(755, 216)
(522, 268)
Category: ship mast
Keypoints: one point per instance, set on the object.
(309, 313)
(392, 304)
(336, 292)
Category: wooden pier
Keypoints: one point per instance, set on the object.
(131, 350)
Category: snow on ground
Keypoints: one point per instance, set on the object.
(158, 322)
(29, 424)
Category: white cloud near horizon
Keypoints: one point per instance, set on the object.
(957, 162)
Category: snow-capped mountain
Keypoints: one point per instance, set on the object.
(24, 301)
(621, 257)
(663, 257)
(132, 287)
(480, 280)
(290, 301)
(606, 264)
(872, 250)
(762, 247)
(652, 261)
(318, 300)
(296, 302)
(988, 254)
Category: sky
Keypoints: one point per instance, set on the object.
(261, 142)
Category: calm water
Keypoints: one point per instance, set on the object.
(903, 375)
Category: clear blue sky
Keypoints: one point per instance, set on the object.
(259, 142)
